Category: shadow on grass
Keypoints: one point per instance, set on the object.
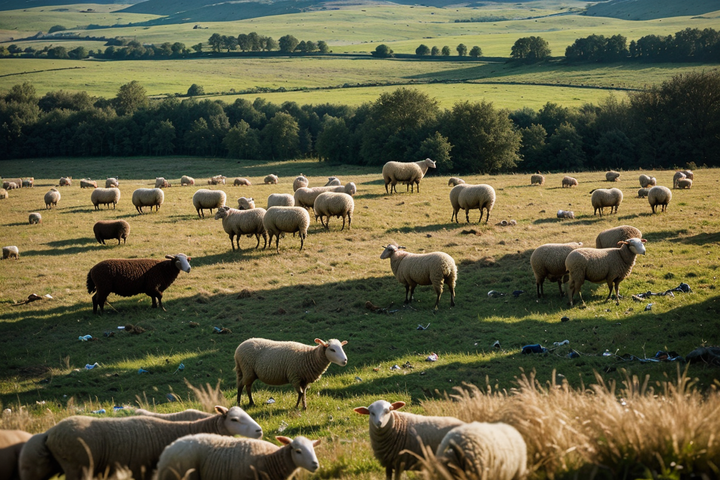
(699, 239)
(72, 241)
(61, 251)
(671, 235)
(424, 228)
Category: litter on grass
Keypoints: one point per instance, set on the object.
(420, 327)
(433, 357)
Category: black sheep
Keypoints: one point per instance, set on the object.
(107, 229)
(133, 277)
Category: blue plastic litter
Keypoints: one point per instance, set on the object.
(535, 348)
(142, 370)
(85, 338)
(573, 354)
(90, 367)
(102, 410)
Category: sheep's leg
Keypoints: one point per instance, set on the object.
(386, 189)
(232, 240)
(302, 240)
(95, 303)
(559, 288)
(118, 240)
(538, 289)
(610, 287)
(467, 216)
(452, 294)
(617, 292)
(388, 473)
(412, 292)
(487, 219)
(438, 291)
(264, 234)
(407, 290)
(248, 389)
(343, 227)
(277, 244)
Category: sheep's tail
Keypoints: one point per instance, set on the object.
(90, 284)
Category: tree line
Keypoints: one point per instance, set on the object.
(666, 126)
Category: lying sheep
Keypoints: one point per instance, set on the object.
(470, 197)
(11, 443)
(610, 265)
(606, 197)
(548, 261)
(160, 182)
(135, 442)
(217, 180)
(280, 200)
(279, 220)
(409, 173)
(396, 436)
(107, 229)
(453, 181)
(659, 195)
(484, 450)
(243, 222)
(148, 197)
(246, 203)
(3, 193)
(609, 238)
(212, 457)
(186, 180)
(271, 179)
(647, 181)
(112, 182)
(569, 182)
(333, 204)
(87, 183)
(612, 176)
(333, 182)
(242, 182)
(35, 461)
(11, 252)
(643, 192)
(65, 181)
(299, 182)
(133, 277)
(537, 180)
(208, 199)
(685, 183)
(34, 218)
(52, 197)
(280, 363)
(413, 269)
(105, 196)
(189, 415)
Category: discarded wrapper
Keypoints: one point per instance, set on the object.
(433, 357)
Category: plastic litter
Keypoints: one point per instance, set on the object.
(283, 426)
(649, 306)
(534, 348)
(142, 370)
(118, 407)
(270, 401)
(90, 367)
(217, 329)
(180, 368)
(496, 344)
(102, 410)
(395, 367)
(573, 354)
(433, 357)
(517, 293)
(565, 319)
(171, 397)
(607, 353)
(85, 338)
(564, 342)
(682, 288)
(420, 327)
(358, 379)
(495, 294)
(121, 327)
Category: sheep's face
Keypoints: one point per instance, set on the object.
(35, 460)
(238, 422)
(182, 261)
(388, 252)
(350, 188)
(246, 203)
(221, 213)
(380, 412)
(430, 163)
(637, 245)
(335, 353)
(303, 452)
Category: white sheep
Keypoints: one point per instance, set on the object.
(280, 363)
(10, 185)
(612, 176)
(35, 461)
(537, 180)
(3, 193)
(208, 199)
(241, 182)
(135, 442)
(11, 443)
(684, 183)
(300, 181)
(405, 172)
(569, 182)
(689, 174)
(470, 197)
(243, 222)
(677, 177)
(271, 179)
(111, 182)
(280, 200)
(10, 252)
(160, 182)
(28, 182)
(279, 220)
(484, 450)
(105, 196)
(87, 183)
(148, 197)
(659, 195)
(65, 181)
(333, 182)
(413, 269)
(643, 192)
(52, 197)
(34, 218)
(189, 415)
(186, 180)
(453, 181)
(217, 180)
(606, 197)
(213, 457)
(394, 435)
(245, 203)
(333, 204)
(647, 181)
(609, 238)
(548, 261)
(610, 265)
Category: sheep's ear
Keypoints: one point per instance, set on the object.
(400, 246)
(344, 342)
(283, 440)
(398, 405)
(171, 257)
(622, 242)
(221, 410)
(362, 410)
(316, 442)
(322, 342)
(643, 240)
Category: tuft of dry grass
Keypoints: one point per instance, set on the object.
(208, 396)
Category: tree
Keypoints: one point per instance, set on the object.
(58, 52)
(14, 49)
(565, 149)
(323, 47)
(216, 42)
(446, 51)
(435, 51)
(615, 150)
(159, 138)
(476, 52)
(178, 48)
(131, 97)
(301, 47)
(382, 51)
(229, 42)
(332, 141)
(195, 90)
(311, 46)
(78, 53)
(271, 44)
(461, 49)
(530, 48)
(198, 139)
(288, 43)
(198, 47)
(244, 42)
(242, 141)
(254, 41)
(280, 137)
(438, 148)
(422, 51)
(22, 93)
(57, 28)
(551, 116)
(532, 147)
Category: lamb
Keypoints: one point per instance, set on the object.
(453, 181)
(186, 180)
(606, 197)
(647, 181)
(65, 181)
(610, 265)
(246, 203)
(212, 457)
(189, 415)
(537, 180)
(484, 450)
(112, 182)
(35, 461)
(271, 179)
(279, 220)
(394, 435)
(148, 197)
(28, 182)
(242, 181)
(217, 180)
(87, 183)
(34, 218)
(243, 222)
(10, 252)
(685, 183)
(548, 261)
(413, 269)
(609, 238)
(332, 204)
(405, 172)
(643, 192)
(280, 200)
(136, 442)
(333, 182)
(16, 181)
(10, 185)
(132, 277)
(3, 193)
(160, 182)
(208, 199)
(612, 176)
(11, 443)
(280, 363)
(569, 182)
(470, 197)
(299, 182)
(107, 229)
(659, 195)
(52, 197)
(105, 196)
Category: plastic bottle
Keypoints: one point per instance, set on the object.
(84, 338)
(90, 367)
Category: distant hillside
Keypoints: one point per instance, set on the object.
(651, 9)
(22, 4)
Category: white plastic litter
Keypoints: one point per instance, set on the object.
(433, 357)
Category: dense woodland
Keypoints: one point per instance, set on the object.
(666, 126)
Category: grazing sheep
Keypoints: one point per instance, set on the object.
(105, 196)
(65, 181)
(279, 220)
(299, 182)
(148, 197)
(246, 203)
(112, 182)
(186, 180)
(333, 204)
(217, 180)
(484, 450)
(606, 197)
(242, 181)
(688, 173)
(610, 265)
(280, 200)
(11, 443)
(3, 193)
(413, 269)
(280, 363)
(677, 177)
(609, 238)
(18, 183)
(27, 182)
(52, 197)
(396, 436)
(242, 222)
(135, 442)
(548, 261)
(87, 183)
(160, 182)
(537, 180)
(212, 457)
(405, 172)
(35, 218)
(271, 179)
(659, 195)
(569, 182)
(643, 192)
(189, 415)
(647, 181)
(453, 181)
(10, 185)
(208, 199)
(333, 182)
(470, 197)
(685, 183)
(133, 277)
(107, 229)
(612, 176)
(10, 252)
(35, 461)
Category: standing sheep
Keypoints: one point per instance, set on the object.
(569, 182)
(280, 363)
(11, 443)
(52, 197)
(246, 203)
(612, 176)
(299, 182)
(35, 461)
(279, 220)
(333, 182)
(677, 177)
(548, 261)
(606, 197)
(10, 252)
(413, 269)
(34, 218)
(647, 181)
(133, 277)
(470, 197)
(688, 173)
(105, 196)
(610, 265)
(17, 183)
(186, 180)
(609, 238)
(148, 197)
(242, 222)
(87, 183)
(242, 182)
(396, 436)
(332, 204)
(112, 182)
(405, 172)
(160, 182)
(659, 195)
(65, 181)
(643, 192)
(685, 183)
(208, 199)
(537, 180)
(280, 200)
(217, 180)
(28, 182)
(271, 179)
(453, 181)
(107, 229)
